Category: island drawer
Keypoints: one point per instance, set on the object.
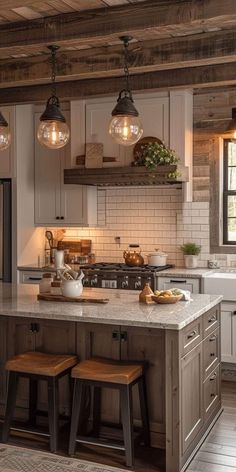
(211, 320)
(211, 392)
(211, 352)
(191, 335)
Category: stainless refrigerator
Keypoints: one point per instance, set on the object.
(5, 231)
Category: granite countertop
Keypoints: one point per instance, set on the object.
(123, 308)
(175, 272)
(187, 273)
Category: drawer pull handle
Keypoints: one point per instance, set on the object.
(191, 335)
(213, 338)
(213, 318)
(34, 278)
(176, 281)
(213, 377)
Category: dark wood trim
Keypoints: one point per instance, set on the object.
(121, 176)
(147, 56)
(112, 22)
(195, 77)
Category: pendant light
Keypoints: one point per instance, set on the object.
(5, 135)
(231, 128)
(53, 132)
(125, 126)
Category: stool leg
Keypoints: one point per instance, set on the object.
(144, 410)
(96, 410)
(127, 423)
(10, 405)
(76, 410)
(33, 398)
(53, 414)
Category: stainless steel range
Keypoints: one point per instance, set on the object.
(120, 276)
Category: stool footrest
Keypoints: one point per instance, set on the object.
(99, 442)
(24, 429)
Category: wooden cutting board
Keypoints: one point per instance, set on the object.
(49, 297)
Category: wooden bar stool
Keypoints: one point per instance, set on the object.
(98, 373)
(37, 366)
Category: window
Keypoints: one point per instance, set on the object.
(229, 192)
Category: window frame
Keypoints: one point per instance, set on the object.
(226, 193)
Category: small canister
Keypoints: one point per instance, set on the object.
(45, 283)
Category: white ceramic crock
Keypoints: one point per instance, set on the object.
(71, 288)
(157, 258)
(191, 262)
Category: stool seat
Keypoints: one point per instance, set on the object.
(39, 363)
(107, 370)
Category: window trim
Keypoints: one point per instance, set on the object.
(225, 194)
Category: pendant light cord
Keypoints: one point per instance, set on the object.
(126, 65)
(53, 49)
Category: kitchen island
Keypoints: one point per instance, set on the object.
(181, 343)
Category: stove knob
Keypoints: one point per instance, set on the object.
(86, 282)
(137, 284)
(125, 282)
(94, 281)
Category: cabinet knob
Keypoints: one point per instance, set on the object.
(62, 217)
(234, 312)
(57, 217)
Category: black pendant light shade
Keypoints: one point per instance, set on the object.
(125, 105)
(3, 122)
(52, 111)
(53, 131)
(125, 125)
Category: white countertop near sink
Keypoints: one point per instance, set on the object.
(123, 308)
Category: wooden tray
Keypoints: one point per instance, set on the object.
(49, 297)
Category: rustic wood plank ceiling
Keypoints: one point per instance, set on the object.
(194, 38)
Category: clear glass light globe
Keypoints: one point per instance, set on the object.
(53, 134)
(126, 130)
(5, 137)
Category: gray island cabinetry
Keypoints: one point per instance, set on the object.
(180, 342)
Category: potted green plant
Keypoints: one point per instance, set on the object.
(155, 154)
(191, 252)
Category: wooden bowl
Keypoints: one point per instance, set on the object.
(167, 300)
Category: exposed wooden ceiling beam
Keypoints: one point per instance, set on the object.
(194, 77)
(205, 49)
(111, 22)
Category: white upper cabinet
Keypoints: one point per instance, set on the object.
(154, 114)
(57, 204)
(7, 156)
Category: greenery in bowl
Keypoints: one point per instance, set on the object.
(190, 249)
(153, 155)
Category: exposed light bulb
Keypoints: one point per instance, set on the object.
(234, 134)
(126, 130)
(5, 137)
(53, 134)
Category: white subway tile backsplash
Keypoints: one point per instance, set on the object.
(152, 217)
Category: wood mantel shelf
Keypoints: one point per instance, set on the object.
(124, 176)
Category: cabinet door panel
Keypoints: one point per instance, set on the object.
(101, 341)
(148, 345)
(72, 204)
(56, 337)
(3, 358)
(191, 397)
(47, 182)
(98, 116)
(228, 334)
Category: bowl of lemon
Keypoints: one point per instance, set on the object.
(167, 296)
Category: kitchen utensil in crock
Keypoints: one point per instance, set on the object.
(133, 256)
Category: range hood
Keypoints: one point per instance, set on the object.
(124, 176)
